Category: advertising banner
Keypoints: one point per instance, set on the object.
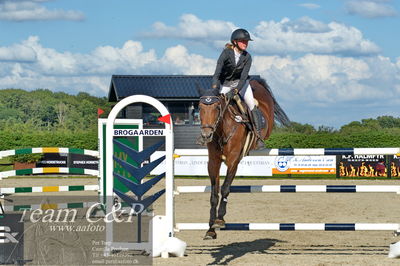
(53, 160)
(362, 166)
(83, 161)
(70, 160)
(197, 166)
(254, 165)
(304, 164)
(394, 166)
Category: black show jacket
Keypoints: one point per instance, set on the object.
(227, 70)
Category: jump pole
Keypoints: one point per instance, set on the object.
(297, 188)
(303, 152)
(294, 226)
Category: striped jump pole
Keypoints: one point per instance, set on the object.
(296, 188)
(12, 190)
(48, 150)
(303, 152)
(294, 226)
(49, 170)
(48, 206)
(326, 151)
(67, 205)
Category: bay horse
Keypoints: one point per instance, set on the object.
(225, 136)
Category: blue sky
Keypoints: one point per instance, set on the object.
(328, 62)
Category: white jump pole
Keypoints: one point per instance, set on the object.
(297, 188)
(295, 226)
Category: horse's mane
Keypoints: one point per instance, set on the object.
(279, 114)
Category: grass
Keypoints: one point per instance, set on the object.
(5, 164)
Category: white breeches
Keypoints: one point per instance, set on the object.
(248, 95)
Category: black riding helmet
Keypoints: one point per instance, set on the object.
(240, 34)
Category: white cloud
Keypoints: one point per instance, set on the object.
(31, 10)
(191, 27)
(17, 52)
(304, 35)
(307, 35)
(330, 90)
(319, 79)
(310, 5)
(33, 66)
(370, 8)
(305, 84)
(180, 61)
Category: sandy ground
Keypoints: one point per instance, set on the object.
(296, 247)
(277, 247)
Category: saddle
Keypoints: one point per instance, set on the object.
(244, 116)
(240, 113)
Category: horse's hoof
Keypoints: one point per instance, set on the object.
(218, 223)
(210, 236)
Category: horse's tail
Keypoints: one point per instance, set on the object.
(279, 114)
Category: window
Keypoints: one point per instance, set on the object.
(184, 113)
(150, 115)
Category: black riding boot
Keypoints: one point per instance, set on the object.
(258, 122)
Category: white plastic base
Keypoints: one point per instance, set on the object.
(394, 251)
(163, 245)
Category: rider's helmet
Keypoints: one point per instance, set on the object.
(240, 34)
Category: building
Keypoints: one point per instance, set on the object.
(178, 93)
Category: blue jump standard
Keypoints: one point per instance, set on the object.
(290, 227)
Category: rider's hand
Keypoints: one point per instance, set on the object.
(230, 94)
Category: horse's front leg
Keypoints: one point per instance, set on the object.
(214, 164)
(225, 189)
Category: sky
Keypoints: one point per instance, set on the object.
(328, 62)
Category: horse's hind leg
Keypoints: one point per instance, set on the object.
(214, 164)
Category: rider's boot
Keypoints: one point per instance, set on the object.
(257, 119)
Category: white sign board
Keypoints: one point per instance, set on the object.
(304, 164)
(197, 166)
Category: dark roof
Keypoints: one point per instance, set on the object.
(157, 86)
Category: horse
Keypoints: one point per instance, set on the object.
(225, 137)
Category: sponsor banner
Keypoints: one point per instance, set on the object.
(253, 165)
(69, 160)
(53, 160)
(304, 164)
(394, 166)
(197, 166)
(83, 161)
(139, 132)
(362, 165)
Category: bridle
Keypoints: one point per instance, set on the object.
(208, 100)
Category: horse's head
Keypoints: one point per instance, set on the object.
(210, 112)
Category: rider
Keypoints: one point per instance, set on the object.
(232, 72)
